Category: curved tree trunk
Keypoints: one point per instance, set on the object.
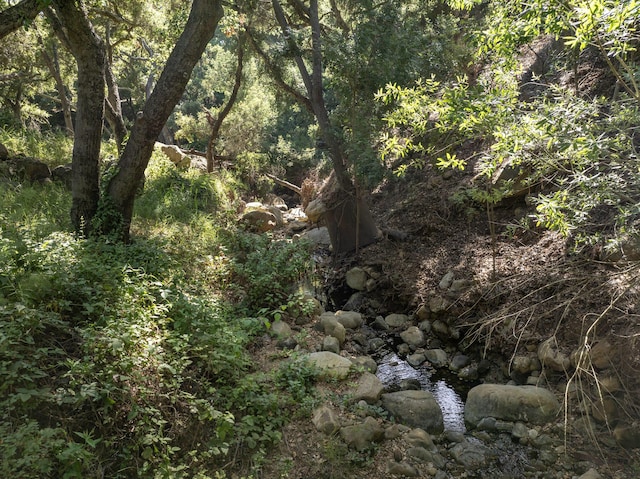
(200, 27)
(88, 50)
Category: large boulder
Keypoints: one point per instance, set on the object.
(175, 154)
(510, 403)
(29, 169)
(415, 409)
(330, 365)
(260, 220)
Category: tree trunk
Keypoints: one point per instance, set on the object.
(198, 31)
(113, 106)
(17, 16)
(347, 216)
(88, 50)
(216, 123)
(53, 65)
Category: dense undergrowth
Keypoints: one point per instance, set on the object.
(131, 360)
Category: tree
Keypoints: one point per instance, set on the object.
(347, 215)
(120, 192)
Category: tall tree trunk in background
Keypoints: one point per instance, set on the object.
(88, 50)
(347, 215)
(113, 105)
(216, 123)
(198, 31)
(53, 64)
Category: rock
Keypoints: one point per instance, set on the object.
(424, 456)
(275, 211)
(440, 328)
(175, 155)
(395, 320)
(355, 302)
(366, 362)
(446, 281)
(409, 384)
(470, 455)
(259, 220)
(326, 420)
(62, 174)
(362, 436)
(416, 409)
(329, 343)
(349, 319)
(510, 403)
(420, 438)
(356, 278)
(591, 474)
(413, 336)
(602, 354)
(438, 304)
(459, 286)
(369, 388)
(627, 436)
(380, 324)
(376, 343)
(281, 330)
(330, 365)
(551, 357)
(4, 152)
(425, 326)
(459, 361)
(423, 313)
(605, 410)
(317, 236)
(520, 431)
(402, 469)
(315, 210)
(332, 327)
(469, 373)
(437, 357)
(416, 359)
(30, 169)
(524, 364)
(453, 436)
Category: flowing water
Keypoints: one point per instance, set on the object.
(392, 370)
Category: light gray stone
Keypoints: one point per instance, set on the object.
(396, 320)
(369, 388)
(281, 330)
(413, 336)
(446, 281)
(366, 362)
(402, 469)
(349, 319)
(416, 409)
(510, 403)
(416, 359)
(591, 474)
(329, 343)
(356, 278)
(551, 357)
(326, 420)
(437, 357)
(420, 438)
(364, 435)
(469, 454)
(329, 364)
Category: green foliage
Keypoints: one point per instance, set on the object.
(51, 147)
(124, 360)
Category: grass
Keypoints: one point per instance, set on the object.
(131, 360)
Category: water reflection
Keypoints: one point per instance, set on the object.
(392, 370)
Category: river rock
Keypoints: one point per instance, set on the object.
(369, 388)
(325, 419)
(627, 436)
(260, 220)
(416, 409)
(438, 304)
(332, 327)
(591, 474)
(459, 361)
(349, 319)
(437, 357)
(416, 359)
(446, 281)
(329, 364)
(551, 357)
(510, 403)
(413, 336)
(356, 278)
(470, 455)
(396, 320)
(402, 469)
(440, 328)
(420, 438)
(422, 455)
(362, 436)
(380, 324)
(281, 330)
(367, 363)
(329, 343)
(317, 236)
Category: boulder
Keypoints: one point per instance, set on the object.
(356, 278)
(413, 336)
(281, 330)
(332, 327)
(369, 388)
(437, 357)
(364, 435)
(416, 409)
(30, 169)
(529, 404)
(329, 365)
(317, 236)
(329, 343)
(395, 320)
(260, 220)
(326, 420)
(349, 319)
(62, 174)
(175, 155)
